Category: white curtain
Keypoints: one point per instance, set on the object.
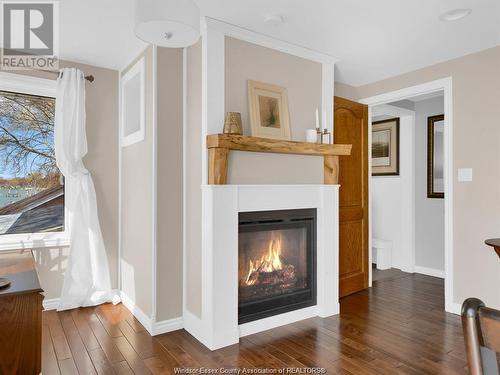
(86, 279)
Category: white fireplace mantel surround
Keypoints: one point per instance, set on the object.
(218, 326)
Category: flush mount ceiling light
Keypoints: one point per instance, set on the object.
(273, 19)
(455, 14)
(167, 23)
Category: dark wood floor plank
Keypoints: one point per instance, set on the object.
(134, 361)
(49, 358)
(183, 358)
(79, 352)
(398, 327)
(104, 339)
(142, 342)
(80, 318)
(109, 320)
(58, 336)
(68, 367)
(200, 353)
(157, 366)
(101, 363)
(122, 368)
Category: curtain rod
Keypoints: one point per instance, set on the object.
(89, 78)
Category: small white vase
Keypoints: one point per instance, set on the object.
(311, 136)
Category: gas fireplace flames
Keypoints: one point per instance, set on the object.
(270, 269)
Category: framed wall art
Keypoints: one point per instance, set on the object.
(385, 147)
(268, 107)
(435, 156)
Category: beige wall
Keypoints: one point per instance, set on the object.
(193, 180)
(169, 184)
(102, 162)
(345, 91)
(302, 79)
(476, 206)
(137, 206)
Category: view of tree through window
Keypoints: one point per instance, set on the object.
(31, 193)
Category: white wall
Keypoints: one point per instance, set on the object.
(392, 197)
(429, 212)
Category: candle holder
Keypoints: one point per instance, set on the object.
(326, 137)
(319, 135)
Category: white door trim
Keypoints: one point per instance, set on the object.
(445, 85)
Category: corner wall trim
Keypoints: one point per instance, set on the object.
(137, 312)
(454, 308)
(50, 304)
(154, 328)
(429, 271)
(165, 326)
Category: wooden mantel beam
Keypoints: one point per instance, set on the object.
(219, 145)
(256, 144)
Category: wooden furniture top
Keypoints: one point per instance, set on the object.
(495, 243)
(19, 268)
(256, 144)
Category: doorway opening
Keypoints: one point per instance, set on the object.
(411, 195)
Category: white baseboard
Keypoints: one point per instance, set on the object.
(194, 326)
(454, 308)
(165, 326)
(429, 271)
(51, 304)
(153, 327)
(141, 316)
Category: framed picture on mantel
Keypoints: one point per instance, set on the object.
(268, 107)
(385, 147)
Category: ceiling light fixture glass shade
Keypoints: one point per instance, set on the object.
(167, 23)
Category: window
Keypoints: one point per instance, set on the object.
(32, 212)
(132, 105)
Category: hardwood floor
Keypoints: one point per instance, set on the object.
(391, 273)
(397, 327)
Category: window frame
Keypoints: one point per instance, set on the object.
(138, 69)
(22, 84)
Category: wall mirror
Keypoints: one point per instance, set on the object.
(435, 157)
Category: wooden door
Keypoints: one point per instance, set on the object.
(351, 126)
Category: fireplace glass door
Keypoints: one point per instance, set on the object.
(276, 262)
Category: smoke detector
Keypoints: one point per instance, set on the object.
(455, 14)
(274, 19)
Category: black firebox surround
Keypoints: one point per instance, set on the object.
(276, 220)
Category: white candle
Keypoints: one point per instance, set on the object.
(324, 120)
(317, 118)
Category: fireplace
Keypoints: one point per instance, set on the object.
(276, 262)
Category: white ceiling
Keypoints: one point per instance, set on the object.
(374, 39)
(98, 32)
(432, 95)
